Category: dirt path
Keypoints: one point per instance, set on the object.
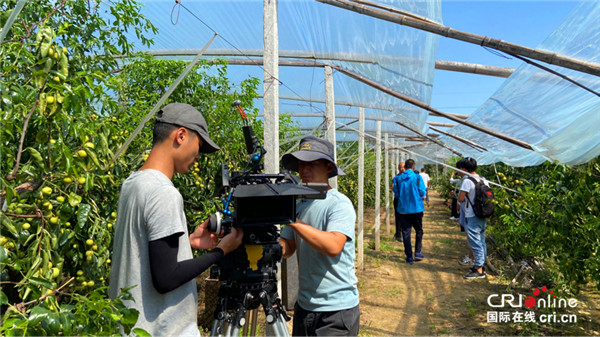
(431, 297)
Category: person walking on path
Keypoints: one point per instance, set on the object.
(456, 182)
(426, 181)
(467, 260)
(410, 189)
(398, 234)
(474, 225)
(323, 237)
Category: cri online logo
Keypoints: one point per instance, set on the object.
(550, 301)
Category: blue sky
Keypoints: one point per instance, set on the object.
(527, 23)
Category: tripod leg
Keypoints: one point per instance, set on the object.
(270, 330)
(238, 320)
(277, 328)
(217, 328)
(282, 328)
(235, 331)
(247, 318)
(254, 322)
(228, 330)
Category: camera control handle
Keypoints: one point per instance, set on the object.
(215, 223)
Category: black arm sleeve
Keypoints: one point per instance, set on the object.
(167, 273)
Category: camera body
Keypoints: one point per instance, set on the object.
(261, 203)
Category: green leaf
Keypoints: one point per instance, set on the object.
(82, 214)
(10, 323)
(41, 282)
(89, 181)
(11, 228)
(38, 314)
(42, 137)
(35, 154)
(3, 254)
(52, 324)
(74, 199)
(67, 156)
(92, 155)
(64, 237)
(130, 317)
(65, 212)
(3, 298)
(9, 193)
(141, 332)
(126, 295)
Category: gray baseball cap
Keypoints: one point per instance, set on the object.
(312, 148)
(185, 115)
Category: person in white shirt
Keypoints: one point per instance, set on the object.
(426, 180)
(474, 225)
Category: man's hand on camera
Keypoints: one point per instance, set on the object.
(231, 241)
(201, 238)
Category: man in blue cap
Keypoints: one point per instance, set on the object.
(323, 238)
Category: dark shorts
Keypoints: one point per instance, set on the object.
(327, 323)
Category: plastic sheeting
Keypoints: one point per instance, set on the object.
(398, 57)
(560, 120)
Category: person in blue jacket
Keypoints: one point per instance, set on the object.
(410, 189)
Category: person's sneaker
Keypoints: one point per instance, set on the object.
(398, 238)
(409, 260)
(419, 256)
(473, 274)
(453, 218)
(482, 269)
(466, 261)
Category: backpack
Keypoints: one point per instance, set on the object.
(483, 207)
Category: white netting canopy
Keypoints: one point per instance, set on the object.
(557, 118)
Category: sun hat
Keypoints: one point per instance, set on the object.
(185, 115)
(312, 148)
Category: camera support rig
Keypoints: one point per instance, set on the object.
(261, 203)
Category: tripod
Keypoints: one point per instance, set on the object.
(238, 299)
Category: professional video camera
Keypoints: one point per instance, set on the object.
(261, 202)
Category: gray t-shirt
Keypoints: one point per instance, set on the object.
(326, 283)
(151, 208)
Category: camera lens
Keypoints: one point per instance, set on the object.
(215, 222)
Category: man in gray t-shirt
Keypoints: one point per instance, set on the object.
(152, 249)
(323, 239)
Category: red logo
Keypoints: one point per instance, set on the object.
(530, 300)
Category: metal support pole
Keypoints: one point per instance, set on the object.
(392, 175)
(330, 115)
(396, 155)
(361, 189)
(271, 94)
(386, 162)
(271, 85)
(377, 185)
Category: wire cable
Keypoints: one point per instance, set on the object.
(237, 49)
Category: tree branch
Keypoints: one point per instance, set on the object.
(13, 174)
(21, 307)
